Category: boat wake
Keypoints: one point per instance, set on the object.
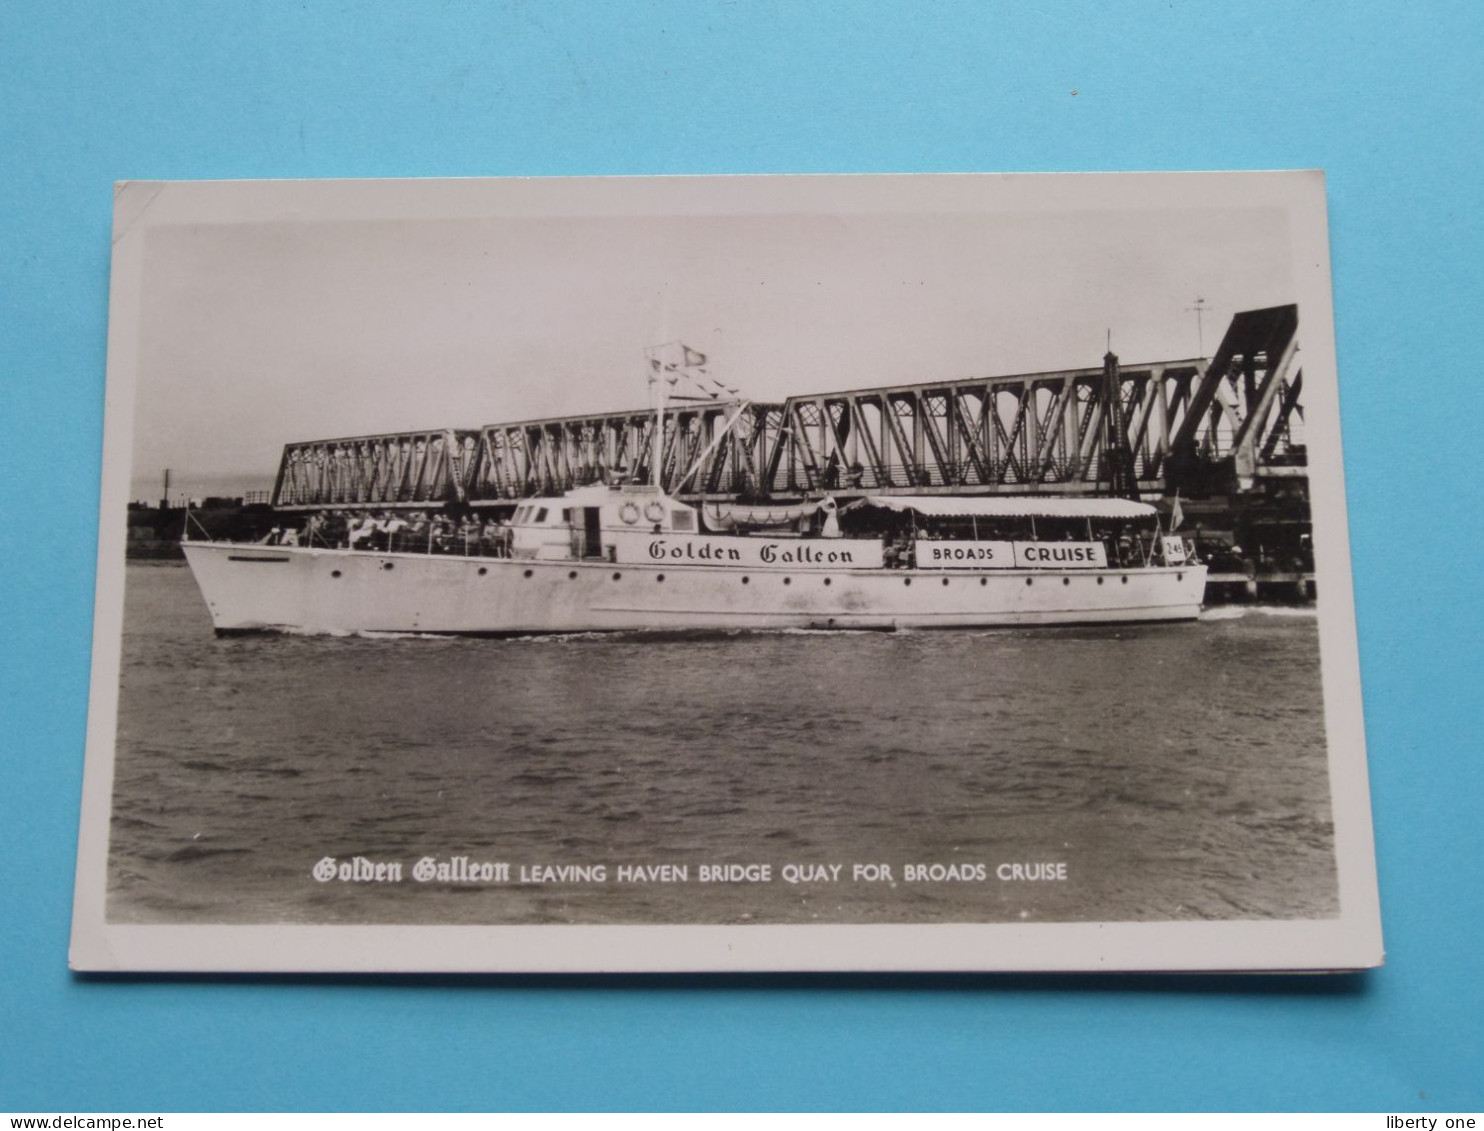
(1237, 612)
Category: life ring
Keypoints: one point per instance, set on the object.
(629, 513)
(654, 512)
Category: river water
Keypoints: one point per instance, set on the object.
(1168, 772)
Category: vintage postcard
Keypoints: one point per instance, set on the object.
(725, 574)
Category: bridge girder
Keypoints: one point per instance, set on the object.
(1188, 424)
(404, 469)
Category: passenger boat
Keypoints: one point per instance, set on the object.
(625, 556)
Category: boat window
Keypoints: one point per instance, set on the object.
(520, 513)
(566, 514)
(541, 515)
(683, 520)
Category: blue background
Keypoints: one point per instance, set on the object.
(1384, 97)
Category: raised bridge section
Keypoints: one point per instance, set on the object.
(1218, 425)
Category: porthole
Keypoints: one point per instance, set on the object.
(1179, 577)
(1030, 580)
(528, 573)
(788, 581)
(659, 577)
(1066, 581)
(945, 581)
(906, 581)
(572, 575)
(827, 581)
(1100, 581)
(984, 581)
(334, 573)
(616, 576)
(387, 565)
(483, 570)
(745, 580)
(1125, 579)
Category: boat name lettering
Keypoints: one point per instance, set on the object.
(662, 550)
(818, 553)
(803, 555)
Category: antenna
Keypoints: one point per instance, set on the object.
(1199, 310)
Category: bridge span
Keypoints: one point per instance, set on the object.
(1219, 426)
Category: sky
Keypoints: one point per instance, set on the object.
(299, 324)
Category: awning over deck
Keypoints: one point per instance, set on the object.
(1011, 506)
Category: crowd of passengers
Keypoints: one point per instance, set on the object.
(392, 532)
(469, 535)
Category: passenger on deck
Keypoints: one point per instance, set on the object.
(469, 535)
(362, 527)
(1105, 536)
(336, 530)
(378, 531)
(314, 528)
(831, 527)
(491, 540)
(290, 537)
(416, 534)
(395, 528)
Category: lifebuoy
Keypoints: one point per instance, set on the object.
(629, 513)
(654, 512)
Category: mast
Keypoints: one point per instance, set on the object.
(1117, 455)
(655, 462)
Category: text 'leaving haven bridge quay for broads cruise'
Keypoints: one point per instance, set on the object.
(1106, 495)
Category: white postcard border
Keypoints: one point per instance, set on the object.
(1350, 941)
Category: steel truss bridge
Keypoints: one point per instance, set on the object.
(1214, 426)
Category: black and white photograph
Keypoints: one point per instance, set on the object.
(736, 573)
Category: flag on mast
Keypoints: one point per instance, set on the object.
(1177, 516)
(684, 370)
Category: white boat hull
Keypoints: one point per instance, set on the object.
(269, 588)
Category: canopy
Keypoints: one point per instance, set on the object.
(1011, 506)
